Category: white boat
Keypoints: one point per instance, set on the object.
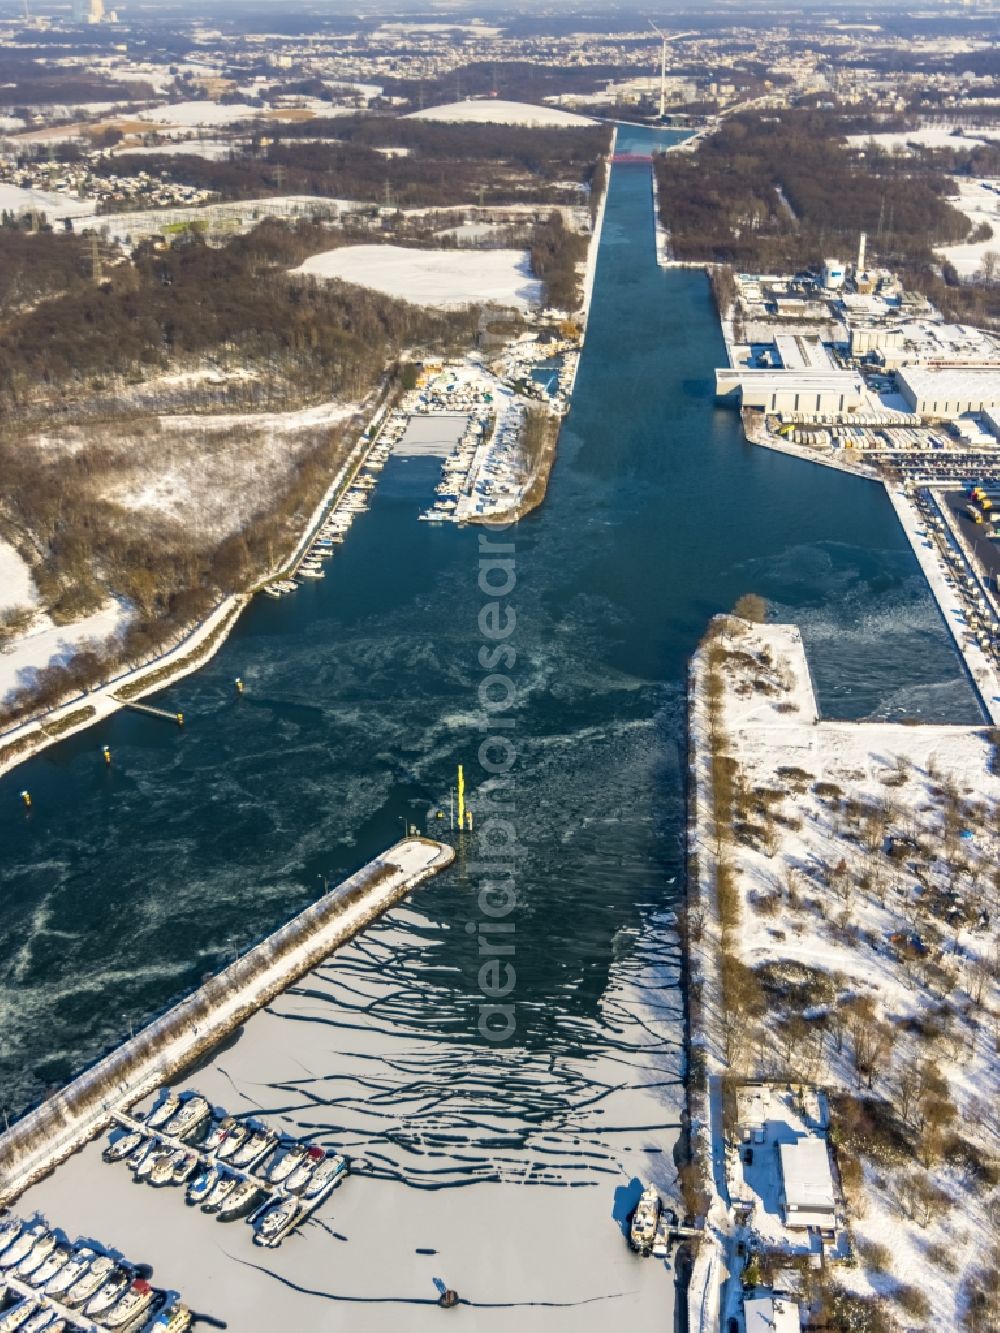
(183, 1165)
(257, 1146)
(149, 1162)
(236, 1136)
(23, 1244)
(47, 1270)
(162, 1112)
(302, 1174)
(17, 1315)
(107, 1294)
(308, 572)
(43, 1318)
(72, 1270)
(275, 1222)
(242, 1200)
(642, 1232)
(217, 1134)
(221, 1191)
(163, 1170)
(92, 1280)
(132, 1307)
(10, 1229)
(202, 1186)
(328, 1173)
(192, 1117)
(40, 1251)
(271, 590)
(286, 1164)
(121, 1147)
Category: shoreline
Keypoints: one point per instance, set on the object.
(538, 487)
(199, 643)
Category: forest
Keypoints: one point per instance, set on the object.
(194, 299)
(445, 164)
(778, 194)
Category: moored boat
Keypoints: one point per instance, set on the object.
(96, 1274)
(173, 1319)
(202, 1186)
(224, 1186)
(126, 1142)
(274, 1222)
(642, 1232)
(71, 1271)
(242, 1200)
(107, 1294)
(132, 1307)
(162, 1111)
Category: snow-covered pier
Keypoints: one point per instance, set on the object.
(161, 1051)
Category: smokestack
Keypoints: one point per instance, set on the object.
(861, 255)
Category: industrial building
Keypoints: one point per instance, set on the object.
(807, 1194)
(949, 391)
(819, 392)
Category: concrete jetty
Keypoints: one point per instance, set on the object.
(63, 1123)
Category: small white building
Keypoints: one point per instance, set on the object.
(770, 1314)
(807, 1194)
(834, 274)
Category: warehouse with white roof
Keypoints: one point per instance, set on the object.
(949, 391)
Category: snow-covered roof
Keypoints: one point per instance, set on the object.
(805, 1171)
(770, 1314)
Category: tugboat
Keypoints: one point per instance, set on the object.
(643, 1230)
(275, 1222)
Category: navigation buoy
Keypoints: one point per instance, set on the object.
(468, 818)
(26, 798)
(439, 814)
(180, 719)
(107, 754)
(448, 1299)
(239, 685)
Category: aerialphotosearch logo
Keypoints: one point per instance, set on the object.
(496, 834)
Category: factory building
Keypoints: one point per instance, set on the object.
(949, 391)
(814, 392)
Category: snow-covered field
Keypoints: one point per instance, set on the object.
(492, 111)
(928, 136)
(200, 113)
(46, 644)
(445, 278)
(863, 857)
(979, 200)
(14, 199)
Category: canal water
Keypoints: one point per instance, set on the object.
(124, 886)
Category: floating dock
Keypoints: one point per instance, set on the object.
(62, 1124)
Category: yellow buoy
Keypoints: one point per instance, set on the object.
(239, 685)
(180, 719)
(107, 754)
(26, 798)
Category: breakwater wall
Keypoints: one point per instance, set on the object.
(70, 1118)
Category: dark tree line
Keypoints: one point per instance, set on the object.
(555, 253)
(446, 164)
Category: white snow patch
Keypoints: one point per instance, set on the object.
(444, 278)
(490, 111)
(17, 588)
(200, 113)
(51, 645)
(928, 136)
(14, 199)
(979, 200)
